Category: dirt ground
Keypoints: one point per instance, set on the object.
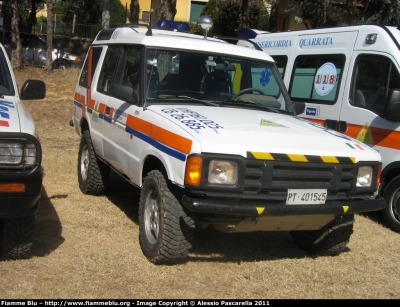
(87, 246)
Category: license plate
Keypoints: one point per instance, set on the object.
(306, 197)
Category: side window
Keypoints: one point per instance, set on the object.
(281, 62)
(369, 90)
(130, 63)
(317, 78)
(93, 57)
(126, 82)
(108, 69)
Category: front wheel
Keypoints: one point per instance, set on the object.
(391, 213)
(93, 174)
(165, 230)
(16, 236)
(329, 240)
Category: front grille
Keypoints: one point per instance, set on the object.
(275, 178)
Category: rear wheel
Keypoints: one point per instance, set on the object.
(391, 213)
(16, 236)
(329, 240)
(165, 230)
(93, 174)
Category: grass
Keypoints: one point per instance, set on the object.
(87, 246)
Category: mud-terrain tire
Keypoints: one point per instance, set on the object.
(16, 235)
(330, 240)
(391, 213)
(93, 174)
(165, 230)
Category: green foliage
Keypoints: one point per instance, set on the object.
(89, 12)
(230, 15)
(324, 13)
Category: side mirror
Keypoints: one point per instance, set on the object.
(33, 89)
(392, 106)
(299, 107)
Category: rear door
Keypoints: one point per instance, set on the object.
(316, 73)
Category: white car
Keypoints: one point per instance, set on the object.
(34, 51)
(20, 163)
(207, 131)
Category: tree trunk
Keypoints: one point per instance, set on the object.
(49, 62)
(135, 9)
(105, 17)
(167, 9)
(15, 36)
(32, 16)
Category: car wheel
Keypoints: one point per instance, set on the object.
(93, 174)
(16, 236)
(61, 64)
(165, 230)
(391, 213)
(329, 240)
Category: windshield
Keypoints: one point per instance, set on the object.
(222, 80)
(6, 85)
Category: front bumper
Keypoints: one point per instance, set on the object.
(25, 203)
(14, 203)
(256, 208)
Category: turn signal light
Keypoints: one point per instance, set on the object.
(12, 187)
(193, 170)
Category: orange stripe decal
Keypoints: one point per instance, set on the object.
(164, 136)
(380, 137)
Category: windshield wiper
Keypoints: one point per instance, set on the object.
(199, 100)
(252, 103)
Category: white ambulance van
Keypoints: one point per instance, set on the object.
(207, 131)
(349, 78)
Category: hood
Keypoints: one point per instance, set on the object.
(238, 131)
(9, 115)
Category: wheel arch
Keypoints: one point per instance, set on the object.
(388, 173)
(84, 125)
(150, 163)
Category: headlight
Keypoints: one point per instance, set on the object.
(364, 177)
(16, 153)
(11, 153)
(223, 172)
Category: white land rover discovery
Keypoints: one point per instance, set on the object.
(20, 163)
(207, 131)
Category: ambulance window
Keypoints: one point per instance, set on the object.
(107, 70)
(369, 90)
(316, 78)
(281, 62)
(94, 57)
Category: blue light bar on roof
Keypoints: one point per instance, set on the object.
(179, 26)
(246, 33)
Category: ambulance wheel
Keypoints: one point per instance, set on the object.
(16, 236)
(391, 213)
(165, 230)
(93, 174)
(247, 90)
(330, 240)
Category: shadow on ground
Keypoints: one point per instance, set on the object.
(210, 245)
(48, 228)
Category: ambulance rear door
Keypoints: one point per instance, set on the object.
(318, 74)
